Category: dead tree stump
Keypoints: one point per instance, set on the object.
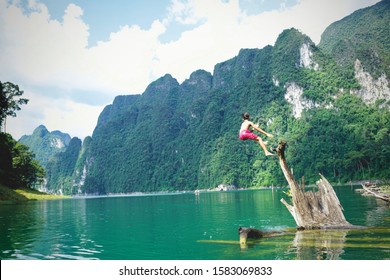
(312, 210)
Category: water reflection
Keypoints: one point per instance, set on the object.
(379, 215)
(170, 226)
(46, 230)
(16, 234)
(319, 244)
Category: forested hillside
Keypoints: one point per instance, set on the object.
(363, 35)
(185, 136)
(58, 153)
(66, 170)
(45, 144)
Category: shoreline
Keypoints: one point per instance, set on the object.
(9, 196)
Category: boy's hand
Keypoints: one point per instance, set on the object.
(270, 135)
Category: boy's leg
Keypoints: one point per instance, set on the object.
(263, 146)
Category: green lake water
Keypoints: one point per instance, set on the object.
(187, 227)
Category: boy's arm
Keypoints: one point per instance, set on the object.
(260, 130)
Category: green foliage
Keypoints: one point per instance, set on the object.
(44, 144)
(28, 169)
(324, 84)
(185, 136)
(183, 140)
(7, 194)
(363, 35)
(286, 55)
(18, 167)
(9, 103)
(61, 168)
(347, 142)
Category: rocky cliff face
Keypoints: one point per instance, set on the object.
(294, 97)
(372, 89)
(306, 59)
(294, 93)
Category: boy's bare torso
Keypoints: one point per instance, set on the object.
(246, 125)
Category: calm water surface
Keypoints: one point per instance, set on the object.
(186, 227)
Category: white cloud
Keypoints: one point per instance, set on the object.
(125, 61)
(313, 16)
(77, 119)
(39, 52)
(222, 29)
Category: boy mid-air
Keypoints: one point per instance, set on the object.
(245, 133)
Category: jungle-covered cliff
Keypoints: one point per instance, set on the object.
(329, 101)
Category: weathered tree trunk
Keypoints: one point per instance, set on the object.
(377, 194)
(312, 210)
(252, 233)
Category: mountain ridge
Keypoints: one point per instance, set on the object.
(46, 144)
(184, 136)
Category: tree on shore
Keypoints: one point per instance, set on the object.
(9, 101)
(18, 167)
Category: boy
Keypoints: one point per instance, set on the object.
(245, 133)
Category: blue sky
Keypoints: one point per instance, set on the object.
(72, 58)
(104, 17)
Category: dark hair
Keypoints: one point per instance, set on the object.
(245, 116)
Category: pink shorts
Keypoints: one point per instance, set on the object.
(247, 134)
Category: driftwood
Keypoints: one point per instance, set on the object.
(310, 210)
(246, 233)
(377, 194)
(252, 233)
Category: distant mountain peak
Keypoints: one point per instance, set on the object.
(45, 144)
(40, 131)
(162, 85)
(200, 79)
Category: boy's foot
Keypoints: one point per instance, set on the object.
(268, 153)
(272, 149)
